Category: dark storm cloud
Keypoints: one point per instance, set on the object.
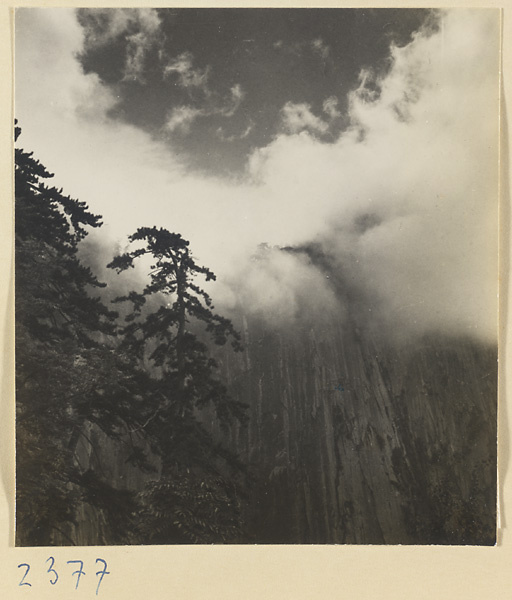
(124, 37)
(181, 64)
(397, 213)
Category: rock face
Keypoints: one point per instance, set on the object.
(351, 440)
(356, 441)
(101, 519)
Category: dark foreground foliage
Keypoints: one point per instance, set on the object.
(81, 381)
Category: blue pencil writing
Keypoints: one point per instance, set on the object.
(23, 582)
(80, 571)
(52, 570)
(101, 573)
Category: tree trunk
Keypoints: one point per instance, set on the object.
(180, 337)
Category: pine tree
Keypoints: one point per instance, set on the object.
(66, 373)
(197, 495)
(72, 373)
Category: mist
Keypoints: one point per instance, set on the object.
(395, 220)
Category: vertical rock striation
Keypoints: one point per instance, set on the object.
(356, 441)
(351, 440)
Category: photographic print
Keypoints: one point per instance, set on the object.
(256, 276)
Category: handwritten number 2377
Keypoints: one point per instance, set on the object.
(54, 576)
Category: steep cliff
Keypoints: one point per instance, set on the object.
(357, 441)
(350, 440)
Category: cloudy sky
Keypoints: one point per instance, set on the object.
(369, 135)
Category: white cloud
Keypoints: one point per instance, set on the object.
(330, 107)
(405, 201)
(320, 48)
(298, 117)
(49, 76)
(232, 105)
(277, 286)
(181, 118)
(104, 25)
(149, 19)
(426, 167)
(188, 77)
(135, 55)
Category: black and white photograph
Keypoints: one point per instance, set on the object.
(256, 276)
